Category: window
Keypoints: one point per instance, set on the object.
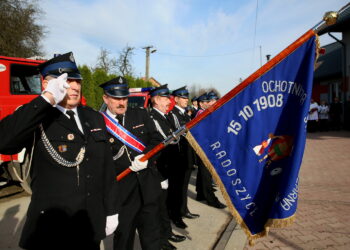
(25, 80)
(136, 101)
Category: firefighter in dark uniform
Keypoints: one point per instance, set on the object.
(73, 182)
(140, 189)
(160, 98)
(194, 106)
(204, 183)
(185, 159)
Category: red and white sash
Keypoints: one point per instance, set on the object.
(122, 134)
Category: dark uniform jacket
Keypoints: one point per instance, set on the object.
(138, 122)
(168, 154)
(186, 150)
(65, 203)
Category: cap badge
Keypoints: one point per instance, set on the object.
(71, 57)
(70, 137)
(120, 80)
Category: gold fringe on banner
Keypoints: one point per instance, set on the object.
(318, 48)
(276, 223)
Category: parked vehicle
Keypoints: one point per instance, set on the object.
(20, 82)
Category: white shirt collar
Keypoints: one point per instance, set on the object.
(63, 110)
(182, 110)
(160, 112)
(112, 115)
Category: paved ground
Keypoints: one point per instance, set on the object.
(322, 221)
(323, 215)
(202, 233)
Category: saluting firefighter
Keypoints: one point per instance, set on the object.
(185, 159)
(132, 134)
(204, 187)
(160, 99)
(73, 185)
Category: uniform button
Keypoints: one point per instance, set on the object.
(88, 194)
(87, 159)
(35, 106)
(88, 176)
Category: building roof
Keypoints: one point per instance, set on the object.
(343, 22)
(329, 65)
(153, 81)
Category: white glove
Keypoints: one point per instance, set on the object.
(164, 184)
(138, 165)
(111, 224)
(58, 87)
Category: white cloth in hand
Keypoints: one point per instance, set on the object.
(58, 87)
(137, 165)
(111, 224)
(164, 184)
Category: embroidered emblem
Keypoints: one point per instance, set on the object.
(70, 137)
(71, 57)
(111, 140)
(62, 148)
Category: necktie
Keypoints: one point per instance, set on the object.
(170, 122)
(120, 119)
(71, 117)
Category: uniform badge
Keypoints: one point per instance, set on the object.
(95, 129)
(137, 126)
(62, 148)
(70, 137)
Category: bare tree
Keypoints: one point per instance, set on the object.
(105, 62)
(197, 90)
(124, 61)
(20, 33)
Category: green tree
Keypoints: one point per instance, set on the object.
(20, 31)
(100, 76)
(88, 86)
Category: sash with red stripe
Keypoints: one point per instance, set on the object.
(122, 134)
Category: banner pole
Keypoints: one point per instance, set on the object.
(329, 18)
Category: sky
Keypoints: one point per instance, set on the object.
(207, 43)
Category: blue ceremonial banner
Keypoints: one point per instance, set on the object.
(254, 143)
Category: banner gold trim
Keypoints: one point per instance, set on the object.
(275, 223)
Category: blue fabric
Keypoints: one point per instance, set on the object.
(55, 66)
(277, 103)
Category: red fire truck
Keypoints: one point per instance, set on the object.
(20, 82)
(140, 97)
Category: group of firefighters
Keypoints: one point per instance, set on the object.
(77, 153)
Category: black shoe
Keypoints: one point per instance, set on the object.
(200, 198)
(177, 238)
(167, 246)
(179, 223)
(217, 204)
(189, 215)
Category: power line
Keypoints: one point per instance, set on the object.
(213, 55)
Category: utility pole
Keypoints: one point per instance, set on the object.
(148, 52)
